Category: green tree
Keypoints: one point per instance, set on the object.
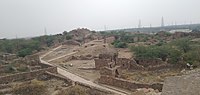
(24, 52)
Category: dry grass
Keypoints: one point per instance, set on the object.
(148, 76)
(34, 87)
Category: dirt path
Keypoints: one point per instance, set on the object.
(77, 78)
(61, 56)
(50, 51)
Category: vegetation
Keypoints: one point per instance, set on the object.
(119, 44)
(123, 38)
(23, 47)
(173, 52)
(33, 88)
(162, 52)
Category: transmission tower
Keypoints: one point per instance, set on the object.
(162, 22)
(139, 25)
(45, 31)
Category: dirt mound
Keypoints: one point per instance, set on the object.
(95, 50)
(80, 33)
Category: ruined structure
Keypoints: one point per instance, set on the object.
(110, 70)
(112, 60)
(28, 67)
(8, 57)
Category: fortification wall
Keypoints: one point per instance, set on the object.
(26, 75)
(93, 88)
(129, 85)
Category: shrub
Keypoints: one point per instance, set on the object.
(24, 52)
(192, 57)
(119, 44)
(162, 52)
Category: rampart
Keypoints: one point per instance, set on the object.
(129, 85)
(26, 75)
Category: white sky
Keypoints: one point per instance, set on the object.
(27, 18)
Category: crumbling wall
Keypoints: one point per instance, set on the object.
(110, 39)
(129, 85)
(161, 67)
(106, 56)
(113, 72)
(57, 76)
(149, 62)
(124, 63)
(8, 57)
(99, 63)
(32, 60)
(26, 75)
(94, 88)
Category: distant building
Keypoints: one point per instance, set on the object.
(181, 30)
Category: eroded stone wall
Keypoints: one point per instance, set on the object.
(124, 63)
(99, 63)
(112, 72)
(129, 85)
(149, 62)
(26, 75)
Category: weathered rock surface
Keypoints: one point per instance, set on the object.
(182, 85)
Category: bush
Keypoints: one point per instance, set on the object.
(162, 52)
(24, 52)
(183, 44)
(119, 44)
(192, 57)
(68, 37)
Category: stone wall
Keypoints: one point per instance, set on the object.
(94, 88)
(125, 63)
(105, 56)
(161, 67)
(57, 76)
(99, 63)
(149, 62)
(8, 57)
(26, 75)
(129, 85)
(110, 39)
(32, 60)
(114, 72)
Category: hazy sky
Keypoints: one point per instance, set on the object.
(26, 18)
